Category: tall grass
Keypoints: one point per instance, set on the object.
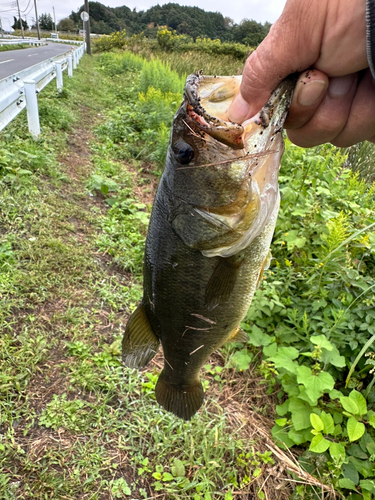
(158, 74)
(190, 62)
(116, 63)
(141, 124)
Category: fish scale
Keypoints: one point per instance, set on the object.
(209, 235)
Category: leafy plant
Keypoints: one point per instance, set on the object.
(314, 315)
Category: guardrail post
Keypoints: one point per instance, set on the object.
(74, 59)
(70, 65)
(59, 76)
(32, 108)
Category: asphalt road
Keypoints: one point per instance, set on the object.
(12, 61)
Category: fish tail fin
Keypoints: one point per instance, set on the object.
(182, 401)
(139, 344)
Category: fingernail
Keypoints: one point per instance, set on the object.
(311, 92)
(238, 110)
(340, 85)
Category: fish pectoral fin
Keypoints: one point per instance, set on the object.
(139, 344)
(183, 401)
(222, 281)
(239, 335)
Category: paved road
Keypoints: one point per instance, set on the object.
(12, 61)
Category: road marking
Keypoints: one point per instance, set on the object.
(30, 55)
(8, 60)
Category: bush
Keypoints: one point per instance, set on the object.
(171, 42)
(109, 42)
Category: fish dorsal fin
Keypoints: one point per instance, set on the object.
(183, 401)
(139, 344)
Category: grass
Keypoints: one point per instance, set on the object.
(4, 48)
(34, 34)
(73, 422)
(189, 62)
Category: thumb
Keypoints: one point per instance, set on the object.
(292, 45)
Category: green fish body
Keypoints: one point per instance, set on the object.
(209, 235)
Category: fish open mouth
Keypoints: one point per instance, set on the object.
(208, 100)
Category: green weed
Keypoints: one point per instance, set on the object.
(314, 314)
(158, 74)
(142, 123)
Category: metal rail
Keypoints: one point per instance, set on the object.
(21, 41)
(20, 90)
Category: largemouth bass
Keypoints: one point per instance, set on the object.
(209, 236)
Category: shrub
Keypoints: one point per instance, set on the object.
(171, 42)
(109, 42)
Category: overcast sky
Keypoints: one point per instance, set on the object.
(260, 10)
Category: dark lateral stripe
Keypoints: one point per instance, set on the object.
(370, 32)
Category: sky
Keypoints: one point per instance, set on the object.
(260, 10)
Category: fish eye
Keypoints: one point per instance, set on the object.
(183, 152)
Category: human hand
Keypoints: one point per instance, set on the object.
(333, 102)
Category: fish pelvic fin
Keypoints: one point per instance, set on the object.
(239, 335)
(139, 344)
(265, 266)
(183, 401)
(222, 281)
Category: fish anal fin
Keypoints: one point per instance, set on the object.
(238, 335)
(222, 281)
(139, 344)
(183, 401)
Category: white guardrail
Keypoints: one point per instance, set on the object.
(22, 41)
(20, 90)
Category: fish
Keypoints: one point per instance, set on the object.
(209, 235)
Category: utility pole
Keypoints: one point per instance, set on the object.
(19, 16)
(37, 19)
(88, 45)
(54, 17)
(1, 29)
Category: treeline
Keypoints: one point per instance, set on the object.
(191, 21)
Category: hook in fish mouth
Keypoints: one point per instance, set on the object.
(208, 98)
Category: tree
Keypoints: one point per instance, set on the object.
(228, 22)
(66, 24)
(17, 25)
(249, 32)
(46, 22)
